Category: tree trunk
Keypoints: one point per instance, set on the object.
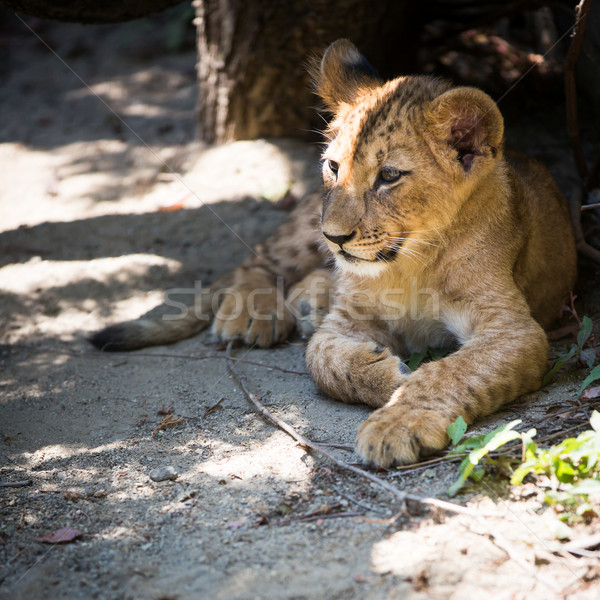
(252, 58)
(88, 11)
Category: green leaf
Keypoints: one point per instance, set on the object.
(464, 471)
(494, 438)
(437, 353)
(416, 358)
(477, 474)
(457, 430)
(585, 329)
(595, 420)
(588, 356)
(522, 471)
(593, 376)
(501, 438)
(561, 359)
(564, 471)
(482, 446)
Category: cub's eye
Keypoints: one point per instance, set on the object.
(333, 166)
(390, 174)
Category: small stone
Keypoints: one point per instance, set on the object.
(164, 474)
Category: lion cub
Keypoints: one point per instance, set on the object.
(440, 239)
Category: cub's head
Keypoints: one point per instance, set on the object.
(402, 157)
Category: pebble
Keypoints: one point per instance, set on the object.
(163, 474)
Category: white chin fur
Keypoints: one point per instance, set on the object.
(359, 267)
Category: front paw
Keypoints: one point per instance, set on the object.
(396, 434)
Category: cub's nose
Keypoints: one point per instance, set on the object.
(340, 240)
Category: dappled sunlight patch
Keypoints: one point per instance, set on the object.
(121, 532)
(264, 459)
(259, 168)
(37, 274)
(64, 451)
(114, 177)
(63, 295)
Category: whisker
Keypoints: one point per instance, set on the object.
(415, 240)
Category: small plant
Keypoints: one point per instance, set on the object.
(578, 350)
(416, 358)
(573, 465)
(478, 447)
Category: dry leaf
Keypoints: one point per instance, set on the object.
(71, 496)
(211, 409)
(60, 536)
(591, 393)
(168, 421)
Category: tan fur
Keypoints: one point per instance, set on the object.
(467, 248)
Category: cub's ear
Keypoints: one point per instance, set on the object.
(342, 75)
(470, 122)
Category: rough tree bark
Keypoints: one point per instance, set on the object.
(88, 11)
(252, 58)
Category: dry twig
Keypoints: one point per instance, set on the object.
(581, 546)
(211, 409)
(168, 421)
(400, 495)
(15, 484)
(582, 246)
(581, 13)
(316, 516)
(94, 355)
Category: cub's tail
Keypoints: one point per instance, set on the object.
(161, 325)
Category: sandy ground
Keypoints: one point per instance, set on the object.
(85, 241)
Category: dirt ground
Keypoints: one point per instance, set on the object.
(100, 216)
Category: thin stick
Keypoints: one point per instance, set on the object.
(403, 469)
(581, 13)
(317, 517)
(581, 545)
(15, 484)
(95, 355)
(336, 445)
(389, 521)
(582, 246)
(304, 441)
(218, 357)
(358, 502)
(590, 206)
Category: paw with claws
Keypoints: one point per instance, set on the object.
(397, 434)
